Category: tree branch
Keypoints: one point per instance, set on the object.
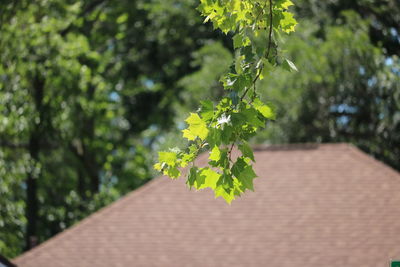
(266, 54)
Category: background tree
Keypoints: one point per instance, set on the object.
(348, 90)
(85, 89)
(382, 18)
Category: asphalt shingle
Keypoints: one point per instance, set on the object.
(314, 205)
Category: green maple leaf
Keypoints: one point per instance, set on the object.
(284, 4)
(186, 158)
(197, 128)
(246, 151)
(264, 109)
(168, 157)
(288, 22)
(214, 137)
(192, 178)
(207, 110)
(221, 192)
(237, 41)
(252, 118)
(247, 176)
(238, 166)
(215, 154)
(289, 65)
(173, 172)
(206, 178)
(158, 166)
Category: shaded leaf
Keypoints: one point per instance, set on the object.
(246, 150)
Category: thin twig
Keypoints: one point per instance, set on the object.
(266, 54)
(270, 29)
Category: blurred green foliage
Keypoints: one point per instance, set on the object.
(348, 90)
(89, 89)
(86, 89)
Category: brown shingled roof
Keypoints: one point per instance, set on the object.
(318, 205)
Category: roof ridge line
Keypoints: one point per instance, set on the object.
(297, 146)
(368, 158)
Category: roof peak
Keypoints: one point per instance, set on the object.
(300, 146)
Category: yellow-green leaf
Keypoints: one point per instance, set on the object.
(188, 135)
(207, 178)
(172, 172)
(215, 154)
(167, 157)
(264, 109)
(197, 127)
(221, 192)
(158, 166)
(288, 22)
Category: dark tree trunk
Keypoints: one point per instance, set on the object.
(32, 207)
(31, 199)
(81, 184)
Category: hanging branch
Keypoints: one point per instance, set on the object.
(266, 54)
(233, 120)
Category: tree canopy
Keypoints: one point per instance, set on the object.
(85, 89)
